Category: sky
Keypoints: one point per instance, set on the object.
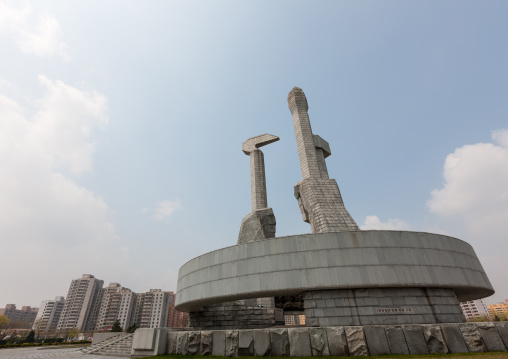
(121, 125)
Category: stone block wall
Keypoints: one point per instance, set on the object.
(321, 205)
(248, 313)
(381, 306)
(343, 341)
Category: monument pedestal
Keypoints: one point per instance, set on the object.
(381, 306)
(377, 261)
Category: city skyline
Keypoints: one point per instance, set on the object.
(121, 127)
(92, 306)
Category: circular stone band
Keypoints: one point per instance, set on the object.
(337, 260)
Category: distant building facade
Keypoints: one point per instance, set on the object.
(81, 306)
(151, 309)
(499, 309)
(116, 303)
(49, 314)
(474, 308)
(176, 319)
(20, 318)
(294, 318)
(90, 307)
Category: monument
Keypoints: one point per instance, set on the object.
(347, 276)
(260, 223)
(365, 291)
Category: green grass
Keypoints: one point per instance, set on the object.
(490, 355)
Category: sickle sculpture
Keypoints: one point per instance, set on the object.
(260, 223)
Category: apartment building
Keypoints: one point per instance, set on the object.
(20, 318)
(126, 308)
(474, 308)
(175, 319)
(151, 309)
(116, 303)
(49, 314)
(499, 309)
(80, 308)
(294, 318)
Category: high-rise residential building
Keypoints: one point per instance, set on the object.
(474, 308)
(49, 315)
(175, 319)
(20, 318)
(126, 308)
(294, 318)
(116, 303)
(151, 309)
(499, 309)
(81, 305)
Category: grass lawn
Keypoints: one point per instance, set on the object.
(491, 355)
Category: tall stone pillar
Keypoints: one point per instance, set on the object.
(258, 180)
(318, 196)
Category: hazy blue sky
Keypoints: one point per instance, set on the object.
(121, 125)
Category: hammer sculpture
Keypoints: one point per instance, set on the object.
(260, 223)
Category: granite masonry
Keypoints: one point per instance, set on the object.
(326, 341)
(247, 314)
(382, 306)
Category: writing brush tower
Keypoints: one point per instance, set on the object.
(318, 196)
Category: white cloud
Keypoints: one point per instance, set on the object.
(165, 209)
(64, 136)
(373, 222)
(38, 35)
(475, 192)
(501, 137)
(476, 186)
(52, 229)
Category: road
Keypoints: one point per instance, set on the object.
(38, 353)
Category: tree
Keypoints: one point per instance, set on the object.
(30, 337)
(290, 302)
(37, 329)
(73, 333)
(132, 328)
(479, 318)
(4, 326)
(4, 320)
(13, 337)
(116, 326)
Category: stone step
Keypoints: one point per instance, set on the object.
(102, 343)
(120, 347)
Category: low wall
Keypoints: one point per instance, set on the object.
(344, 341)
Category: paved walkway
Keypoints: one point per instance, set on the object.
(33, 353)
